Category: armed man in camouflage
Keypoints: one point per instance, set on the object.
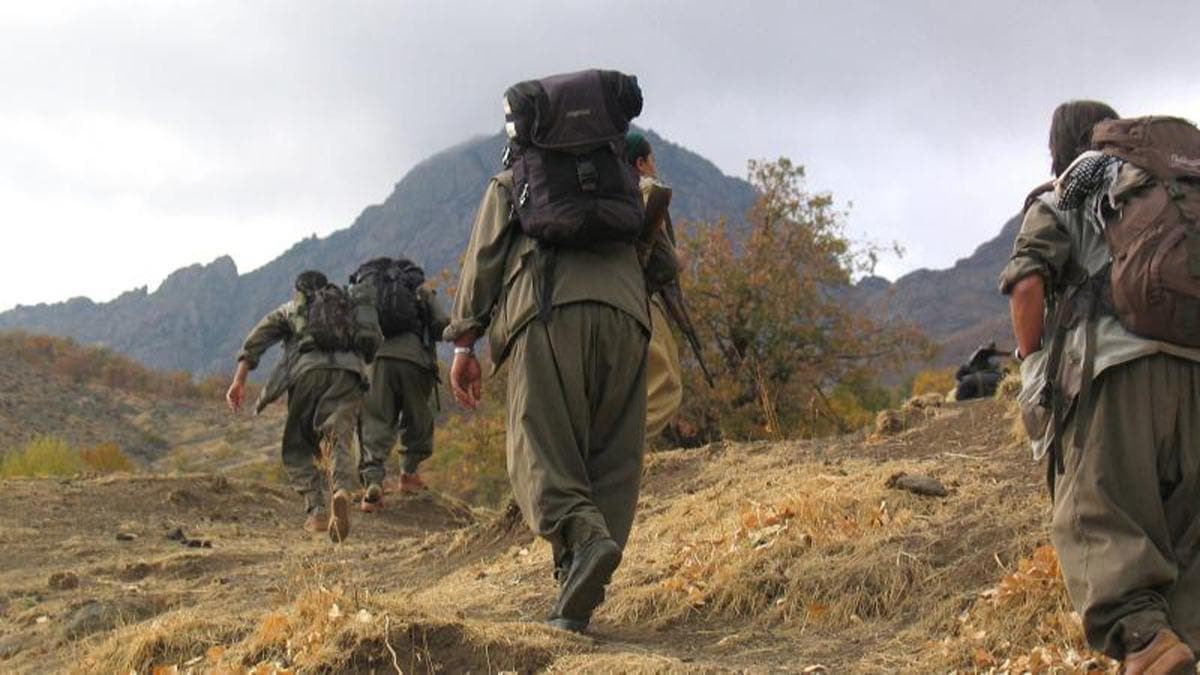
(327, 335)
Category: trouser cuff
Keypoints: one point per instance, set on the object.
(315, 501)
(582, 529)
(1135, 631)
(410, 463)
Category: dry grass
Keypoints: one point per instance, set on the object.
(1022, 624)
(744, 556)
(820, 550)
(329, 630)
(183, 638)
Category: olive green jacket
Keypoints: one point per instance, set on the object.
(502, 274)
(419, 349)
(286, 324)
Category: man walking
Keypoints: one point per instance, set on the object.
(664, 377)
(560, 295)
(326, 334)
(401, 402)
(1120, 409)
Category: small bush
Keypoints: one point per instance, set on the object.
(106, 458)
(41, 457)
(937, 381)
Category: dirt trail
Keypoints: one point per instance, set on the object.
(744, 558)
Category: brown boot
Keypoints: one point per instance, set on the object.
(317, 521)
(412, 483)
(339, 522)
(372, 500)
(1165, 655)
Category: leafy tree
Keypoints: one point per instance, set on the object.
(794, 356)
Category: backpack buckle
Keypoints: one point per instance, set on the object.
(585, 170)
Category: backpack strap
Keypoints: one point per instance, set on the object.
(1085, 303)
(1058, 401)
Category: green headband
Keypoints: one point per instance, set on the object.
(636, 146)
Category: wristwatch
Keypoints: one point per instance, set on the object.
(465, 351)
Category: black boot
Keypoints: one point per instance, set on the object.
(582, 590)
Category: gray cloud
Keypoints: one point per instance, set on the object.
(147, 137)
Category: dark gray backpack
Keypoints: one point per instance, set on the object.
(571, 185)
(396, 282)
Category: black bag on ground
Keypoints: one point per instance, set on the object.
(329, 319)
(571, 184)
(396, 282)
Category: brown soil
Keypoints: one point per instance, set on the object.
(745, 557)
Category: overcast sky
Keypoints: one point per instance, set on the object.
(139, 137)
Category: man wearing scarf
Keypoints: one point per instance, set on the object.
(1123, 431)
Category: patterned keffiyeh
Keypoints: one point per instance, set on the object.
(1082, 178)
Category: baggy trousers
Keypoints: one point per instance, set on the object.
(1126, 519)
(577, 421)
(398, 405)
(664, 379)
(323, 407)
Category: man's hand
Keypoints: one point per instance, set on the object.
(237, 389)
(466, 380)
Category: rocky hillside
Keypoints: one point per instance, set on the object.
(196, 319)
(959, 307)
(920, 552)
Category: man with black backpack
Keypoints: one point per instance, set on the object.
(327, 333)
(1105, 295)
(400, 403)
(980, 375)
(551, 275)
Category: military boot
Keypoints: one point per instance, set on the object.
(412, 483)
(1165, 655)
(593, 558)
(339, 522)
(372, 498)
(317, 521)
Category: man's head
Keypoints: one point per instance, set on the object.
(1071, 130)
(310, 281)
(639, 154)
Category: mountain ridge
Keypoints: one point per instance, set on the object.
(197, 317)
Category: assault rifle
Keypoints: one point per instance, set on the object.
(656, 251)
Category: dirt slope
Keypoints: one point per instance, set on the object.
(157, 431)
(745, 557)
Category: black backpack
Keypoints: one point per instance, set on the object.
(571, 183)
(329, 319)
(396, 282)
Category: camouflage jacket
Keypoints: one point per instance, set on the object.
(286, 324)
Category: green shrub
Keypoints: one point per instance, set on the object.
(43, 456)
